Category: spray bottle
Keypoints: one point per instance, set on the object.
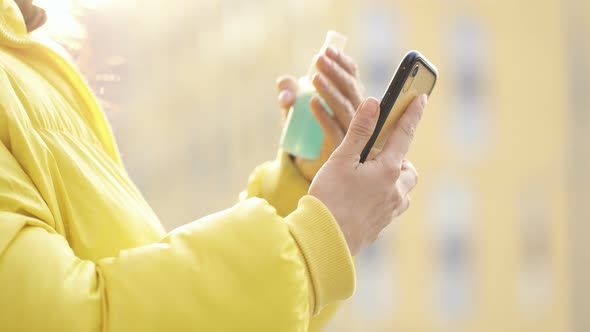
(303, 136)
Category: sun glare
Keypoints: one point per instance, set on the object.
(63, 23)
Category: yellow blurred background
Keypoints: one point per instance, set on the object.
(496, 239)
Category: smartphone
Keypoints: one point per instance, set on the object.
(415, 76)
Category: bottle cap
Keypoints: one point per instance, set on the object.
(333, 39)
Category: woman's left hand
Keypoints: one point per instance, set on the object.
(338, 83)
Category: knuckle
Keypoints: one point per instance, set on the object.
(361, 128)
(391, 174)
(392, 170)
(409, 130)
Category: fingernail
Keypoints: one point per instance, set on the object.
(319, 78)
(285, 96)
(316, 100)
(373, 106)
(331, 51)
(324, 61)
(423, 100)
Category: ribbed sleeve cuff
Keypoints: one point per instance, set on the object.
(325, 251)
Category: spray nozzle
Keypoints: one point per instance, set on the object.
(333, 39)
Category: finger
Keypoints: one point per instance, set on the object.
(403, 207)
(287, 82)
(408, 178)
(333, 133)
(397, 145)
(360, 130)
(343, 60)
(287, 86)
(286, 100)
(339, 104)
(343, 80)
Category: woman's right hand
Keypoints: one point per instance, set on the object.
(364, 198)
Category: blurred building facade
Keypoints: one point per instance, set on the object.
(495, 232)
(487, 248)
(577, 14)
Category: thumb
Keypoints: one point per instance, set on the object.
(361, 128)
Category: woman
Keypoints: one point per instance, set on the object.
(80, 249)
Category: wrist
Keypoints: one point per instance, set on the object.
(302, 167)
(349, 235)
(324, 250)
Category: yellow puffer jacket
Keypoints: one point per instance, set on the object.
(80, 249)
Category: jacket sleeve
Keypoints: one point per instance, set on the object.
(242, 269)
(280, 183)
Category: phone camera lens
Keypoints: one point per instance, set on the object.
(415, 71)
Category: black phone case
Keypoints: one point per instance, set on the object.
(393, 91)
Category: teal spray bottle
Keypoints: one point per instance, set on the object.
(303, 136)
